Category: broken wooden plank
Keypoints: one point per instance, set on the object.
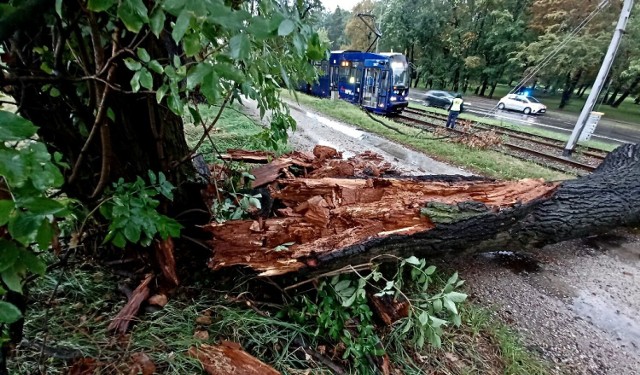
(121, 322)
(229, 358)
(166, 260)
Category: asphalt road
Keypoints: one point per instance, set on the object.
(607, 130)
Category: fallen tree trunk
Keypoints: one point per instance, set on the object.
(328, 223)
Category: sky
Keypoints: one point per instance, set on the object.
(344, 4)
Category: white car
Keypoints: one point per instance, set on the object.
(522, 103)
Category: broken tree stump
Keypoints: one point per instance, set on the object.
(328, 223)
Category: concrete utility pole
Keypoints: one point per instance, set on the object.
(600, 80)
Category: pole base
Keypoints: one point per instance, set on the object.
(567, 152)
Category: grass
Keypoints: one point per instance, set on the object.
(86, 301)
(485, 162)
(233, 130)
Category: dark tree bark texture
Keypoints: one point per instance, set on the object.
(329, 223)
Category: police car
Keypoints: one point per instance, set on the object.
(522, 103)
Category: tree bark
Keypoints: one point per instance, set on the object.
(330, 223)
(627, 92)
(612, 98)
(493, 89)
(485, 83)
(569, 88)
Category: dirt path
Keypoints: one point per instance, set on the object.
(575, 303)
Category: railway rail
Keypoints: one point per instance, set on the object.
(538, 139)
(525, 148)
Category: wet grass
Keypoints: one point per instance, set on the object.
(87, 298)
(486, 162)
(233, 130)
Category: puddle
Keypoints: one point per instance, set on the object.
(518, 263)
(608, 318)
(346, 130)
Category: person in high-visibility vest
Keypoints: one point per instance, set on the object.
(457, 106)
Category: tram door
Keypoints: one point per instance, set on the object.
(371, 88)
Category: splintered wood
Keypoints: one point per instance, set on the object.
(229, 358)
(318, 214)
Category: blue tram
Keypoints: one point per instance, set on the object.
(379, 82)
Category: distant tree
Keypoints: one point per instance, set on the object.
(358, 35)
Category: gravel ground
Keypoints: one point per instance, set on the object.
(575, 303)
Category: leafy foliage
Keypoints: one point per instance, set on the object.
(341, 312)
(27, 214)
(132, 212)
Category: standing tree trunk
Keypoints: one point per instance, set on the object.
(627, 92)
(570, 86)
(493, 89)
(485, 83)
(612, 98)
(119, 133)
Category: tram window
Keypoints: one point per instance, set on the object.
(325, 67)
(344, 73)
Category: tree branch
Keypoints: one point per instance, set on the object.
(207, 129)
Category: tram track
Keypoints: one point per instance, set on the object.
(525, 148)
(537, 139)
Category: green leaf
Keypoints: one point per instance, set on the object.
(59, 8)
(240, 46)
(6, 206)
(9, 313)
(452, 280)
(111, 115)
(155, 66)
(436, 322)
(423, 318)
(457, 297)
(349, 302)
(134, 14)
(43, 206)
(132, 64)
(135, 82)
(342, 285)
(449, 305)
(211, 88)
(132, 233)
(24, 226)
(181, 26)
(143, 55)
(192, 45)
(156, 22)
(32, 262)
(437, 306)
(146, 79)
(45, 235)
(119, 240)
(12, 280)
(14, 127)
(9, 253)
(161, 92)
(197, 74)
(286, 27)
(430, 270)
(100, 5)
(413, 261)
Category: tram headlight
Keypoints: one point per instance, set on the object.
(393, 98)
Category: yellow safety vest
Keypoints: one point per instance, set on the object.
(456, 105)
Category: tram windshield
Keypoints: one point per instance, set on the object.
(400, 74)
